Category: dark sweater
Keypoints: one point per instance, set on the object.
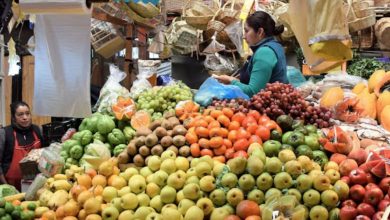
(7, 143)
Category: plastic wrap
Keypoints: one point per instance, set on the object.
(295, 76)
(146, 69)
(235, 32)
(217, 62)
(283, 208)
(111, 90)
(214, 46)
(95, 154)
(211, 88)
(51, 162)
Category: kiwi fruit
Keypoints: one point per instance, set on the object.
(160, 132)
(179, 140)
(143, 132)
(156, 123)
(151, 140)
(167, 124)
(147, 159)
(132, 149)
(169, 114)
(138, 160)
(140, 141)
(184, 151)
(157, 150)
(174, 149)
(174, 121)
(123, 158)
(179, 130)
(166, 141)
(144, 151)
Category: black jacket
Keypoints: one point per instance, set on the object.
(7, 143)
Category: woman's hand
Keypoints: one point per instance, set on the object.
(225, 79)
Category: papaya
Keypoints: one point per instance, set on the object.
(385, 117)
(367, 102)
(383, 85)
(141, 119)
(331, 97)
(383, 100)
(375, 78)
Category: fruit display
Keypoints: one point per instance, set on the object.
(18, 210)
(161, 99)
(235, 104)
(162, 134)
(281, 99)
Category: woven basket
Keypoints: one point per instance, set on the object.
(134, 16)
(216, 25)
(367, 38)
(361, 23)
(144, 10)
(365, 13)
(360, 5)
(228, 16)
(200, 17)
(174, 5)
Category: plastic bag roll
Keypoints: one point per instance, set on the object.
(55, 6)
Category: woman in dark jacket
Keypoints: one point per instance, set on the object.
(16, 141)
(268, 63)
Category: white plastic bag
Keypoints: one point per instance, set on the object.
(235, 32)
(217, 62)
(111, 90)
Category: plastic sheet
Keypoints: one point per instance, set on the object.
(295, 76)
(211, 88)
(235, 32)
(217, 62)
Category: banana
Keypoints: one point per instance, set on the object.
(60, 177)
(40, 211)
(60, 185)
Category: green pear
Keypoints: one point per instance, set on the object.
(257, 196)
(272, 193)
(156, 203)
(283, 180)
(286, 155)
(296, 193)
(208, 160)
(229, 208)
(264, 181)
(342, 189)
(318, 212)
(194, 213)
(124, 191)
(255, 166)
(237, 165)
(117, 203)
(182, 163)
(246, 182)
(218, 197)
(168, 154)
(143, 199)
(194, 162)
(298, 213)
(129, 201)
(129, 172)
(207, 183)
(306, 163)
(219, 168)
(303, 207)
(311, 198)
(229, 180)
(152, 190)
(145, 172)
(179, 196)
(137, 184)
(259, 153)
(170, 213)
(191, 172)
(304, 182)
(334, 214)
(294, 168)
(192, 179)
(191, 191)
(287, 203)
(160, 178)
(110, 213)
(219, 213)
(168, 166)
(203, 169)
(206, 205)
(234, 196)
(154, 163)
(169, 206)
(142, 212)
(329, 198)
(315, 173)
(176, 180)
(321, 183)
(184, 205)
(273, 165)
(168, 194)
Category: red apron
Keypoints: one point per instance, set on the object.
(14, 175)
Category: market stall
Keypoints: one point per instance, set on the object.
(311, 149)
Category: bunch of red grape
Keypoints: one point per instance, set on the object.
(238, 105)
(280, 99)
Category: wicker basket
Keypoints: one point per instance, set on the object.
(360, 5)
(104, 39)
(230, 15)
(144, 10)
(361, 23)
(200, 15)
(174, 5)
(216, 25)
(367, 38)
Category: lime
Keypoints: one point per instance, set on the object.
(9, 208)
(2, 202)
(6, 217)
(31, 206)
(15, 214)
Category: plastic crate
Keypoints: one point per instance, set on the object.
(53, 132)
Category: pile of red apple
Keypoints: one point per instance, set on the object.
(369, 193)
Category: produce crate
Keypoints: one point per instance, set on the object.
(53, 132)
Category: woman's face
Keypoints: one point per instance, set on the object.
(23, 116)
(251, 36)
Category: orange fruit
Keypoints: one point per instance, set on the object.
(253, 217)
(214, 124)
(232, 136)
(241, 144)
(191, 138)
(204, 143)
(49, 215)
(76, 190)
(228, 112)
(84, 180)
(243, 134)
(99, 180)
(201, 123)
(255, 114)
(224, 120)
(247, 208)
(227, 143)
(91, 172)
(263, 119)
(247, 121)
(195, 150)
(220, 150)
(263, 132)
(234, 125)
(205, 152)
(239, 117)
(16, 202)
(202, 132)
(209, 119)
(229, 153)
(216, 142)
(215, 132)
(255, 139)
(216, 113)
(251, 128)
(224, 132)
(140, 119)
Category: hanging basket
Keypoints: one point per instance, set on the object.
(228, 15)
(147, 10)
(361, 23)
(199, 14)
(216, 25)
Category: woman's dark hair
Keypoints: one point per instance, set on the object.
(261, 19)
(16, 105)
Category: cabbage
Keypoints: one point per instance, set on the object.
(7, 190)
(94, 155)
